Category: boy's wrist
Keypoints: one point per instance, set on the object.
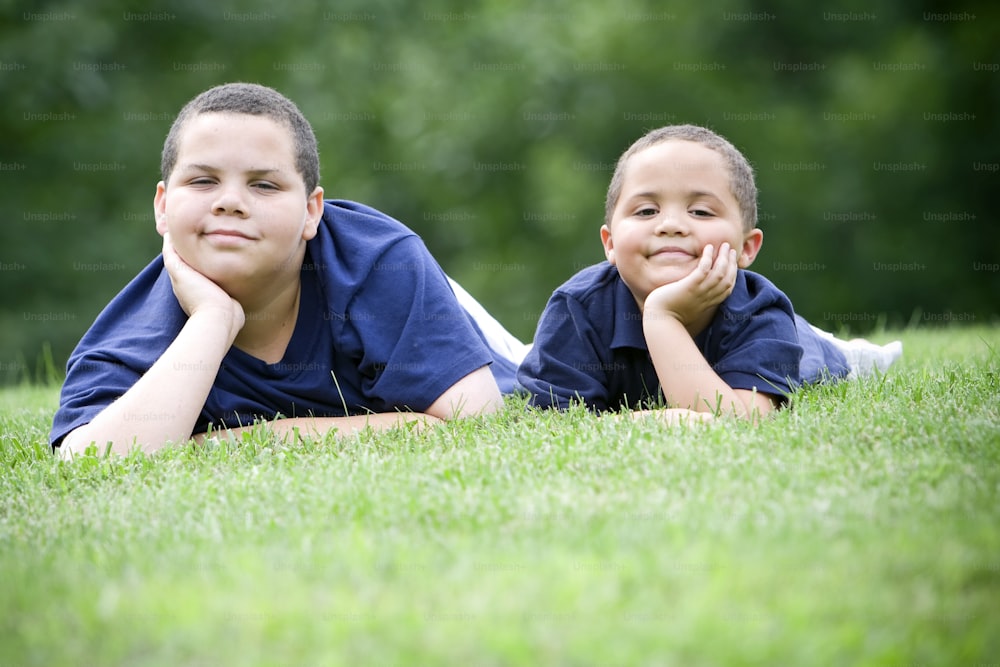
(656, 320)
(215, 314)
(679, 309)
(660, 315)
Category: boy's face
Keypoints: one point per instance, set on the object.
(675, 200)
(235, 205)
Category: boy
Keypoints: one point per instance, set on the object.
(269, 301)
(674, 310)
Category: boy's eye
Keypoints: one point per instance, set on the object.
(263, 185)
(701, 213)
(646, 212)
(201, 180)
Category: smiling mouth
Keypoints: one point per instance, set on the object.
(228, 233)
(672, 253)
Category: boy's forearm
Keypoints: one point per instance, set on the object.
(474, 394)
(319, 427)
(687, 379)
(668, 416)
(164, 404)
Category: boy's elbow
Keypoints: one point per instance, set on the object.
(755, 404)
(77, 442)
(475, 394)
(63, 451)
(73, 443)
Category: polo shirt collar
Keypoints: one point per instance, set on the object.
(627, 319)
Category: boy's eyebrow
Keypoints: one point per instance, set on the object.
(705, 193)
(653, 194)
(252, 172)
(650, 194)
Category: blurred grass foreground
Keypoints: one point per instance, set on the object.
(860, 527)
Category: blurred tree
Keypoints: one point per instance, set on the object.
(492, 129)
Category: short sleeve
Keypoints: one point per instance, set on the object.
(93, 382)
(411, 338)
(126, 339)
(759, 348)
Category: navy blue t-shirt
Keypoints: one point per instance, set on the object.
(590, 345)
(378, 330)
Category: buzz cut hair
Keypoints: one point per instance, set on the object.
(254, 100)
(741, 178)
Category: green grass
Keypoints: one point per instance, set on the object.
(860, 528)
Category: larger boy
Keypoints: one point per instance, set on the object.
(269, 301)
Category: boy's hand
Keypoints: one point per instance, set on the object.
(196, 292)
(708, 285)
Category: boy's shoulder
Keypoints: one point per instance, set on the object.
(591, 282)
(353, 237)
(343, 216)
(754, 291)
(597, 295)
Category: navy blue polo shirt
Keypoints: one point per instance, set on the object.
(378, 330)
(590, 345)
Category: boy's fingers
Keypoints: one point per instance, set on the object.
(720, 267)
(170, 257)
(726, 260)
(174, 262)
(707, 258)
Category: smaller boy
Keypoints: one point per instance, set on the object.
(271, 303)
(673, 316)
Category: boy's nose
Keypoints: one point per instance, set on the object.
(670, 223)
(229, 202)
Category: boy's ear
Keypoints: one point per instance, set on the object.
(751, 246)
(160, 208)
(609, 244)
(314, 213)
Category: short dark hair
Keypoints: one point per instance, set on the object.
(741, 180)
(254, 100)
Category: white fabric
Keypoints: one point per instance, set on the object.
(863, 356)
(497, 337)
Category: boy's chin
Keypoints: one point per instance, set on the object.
(666, 276)
(642, 293)
(223, 276)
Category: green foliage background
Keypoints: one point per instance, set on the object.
(491, 129)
